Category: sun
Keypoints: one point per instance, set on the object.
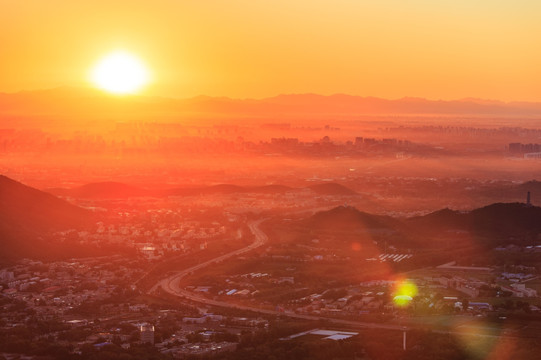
(120, 73)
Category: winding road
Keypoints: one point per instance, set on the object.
(172, 286)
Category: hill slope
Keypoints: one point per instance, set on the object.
(349, 218)
(332, 189)
(102, 190)
(27, 214)
(498, 220)
(491, 225)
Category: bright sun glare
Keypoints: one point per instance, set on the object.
(120, 73)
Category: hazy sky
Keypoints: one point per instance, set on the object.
(256, 48)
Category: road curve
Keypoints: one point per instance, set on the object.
(171, 285)
(260, 239)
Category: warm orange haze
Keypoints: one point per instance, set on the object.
(390, 49)
(270, 180)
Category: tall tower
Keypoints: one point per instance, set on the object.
(528, 202)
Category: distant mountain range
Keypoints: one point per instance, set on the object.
(115, 190)
(89, 103)
(102, 190)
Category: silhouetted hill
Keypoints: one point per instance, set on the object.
(228, 189)
(502, 222)
(270, 189)
(27, 214)
(532, 185)
(349, 218)
(342, 226)
(116, 190)
(332, 189)
(444, 219)
(496, 220)
(506, 219)
(508, 192)
(102, 190)
(222, 189)
(206, 190)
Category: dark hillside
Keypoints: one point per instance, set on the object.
(27, 215)
(332, 189)
(102, 190)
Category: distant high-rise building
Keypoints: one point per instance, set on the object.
(515, 147)
(147, 334)
(370, 141)
(528, 200)
(519, 148)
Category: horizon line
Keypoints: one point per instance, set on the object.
(471, 99)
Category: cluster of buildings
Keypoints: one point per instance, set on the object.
(153, 233)
(92, 302)
(528, 151)
(201, 349)
(438, 292)
(326, 147)
(245, 286)
(196, 140)
(56, 288)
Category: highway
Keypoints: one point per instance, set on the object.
(171, 285)
(167, 283)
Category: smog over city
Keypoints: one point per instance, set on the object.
(270, 180)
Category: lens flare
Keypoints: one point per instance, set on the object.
(404, 293)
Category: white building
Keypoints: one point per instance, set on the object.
(147, 334)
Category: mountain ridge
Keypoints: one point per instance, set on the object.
(65, 100)
(498, 220)
(110, 190)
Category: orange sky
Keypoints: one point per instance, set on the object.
(258, 48)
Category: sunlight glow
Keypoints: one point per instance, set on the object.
(404, 293)
(120, 73)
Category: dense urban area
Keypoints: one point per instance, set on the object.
(384, 237)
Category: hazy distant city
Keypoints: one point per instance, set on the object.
(267, 238)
